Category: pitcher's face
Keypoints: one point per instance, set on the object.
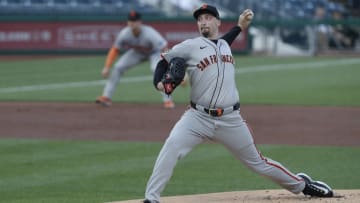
(208, 25)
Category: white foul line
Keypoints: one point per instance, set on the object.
(71, 85)
(261, 68)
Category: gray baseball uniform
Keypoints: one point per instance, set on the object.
(147, 45)
(214, 116)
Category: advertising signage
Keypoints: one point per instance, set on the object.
(73, 36)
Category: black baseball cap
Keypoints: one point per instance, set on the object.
(134, 15)
(205, 8)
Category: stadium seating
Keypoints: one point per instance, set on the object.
(265, 10)
(73, 7)
(280, 9)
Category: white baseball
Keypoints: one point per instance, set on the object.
(250, 16)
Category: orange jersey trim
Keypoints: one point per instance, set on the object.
(111, 57)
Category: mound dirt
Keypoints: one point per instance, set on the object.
(259, 196)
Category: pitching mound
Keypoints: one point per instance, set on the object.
(258, 196)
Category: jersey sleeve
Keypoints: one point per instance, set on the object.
(182, 50)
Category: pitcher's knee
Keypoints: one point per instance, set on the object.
(177, 149)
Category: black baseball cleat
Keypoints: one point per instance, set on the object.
(315, 188)
(149, 201)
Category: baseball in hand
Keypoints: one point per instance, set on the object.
(245, 18)
(250, 15)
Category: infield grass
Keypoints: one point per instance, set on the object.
(35, 171)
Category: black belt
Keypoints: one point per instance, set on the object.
(215, 112)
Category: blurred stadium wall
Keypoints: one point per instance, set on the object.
(280, 27)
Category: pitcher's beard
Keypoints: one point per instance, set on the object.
(205, 31)
(205, 34)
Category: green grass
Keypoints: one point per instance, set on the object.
(333, 84)
(94, 171)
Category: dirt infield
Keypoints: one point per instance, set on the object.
(145, 122)
(295, 125)
(259, 196)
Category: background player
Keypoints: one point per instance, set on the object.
(215, 112)
(140, 42)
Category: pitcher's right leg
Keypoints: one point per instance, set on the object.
(181, 141)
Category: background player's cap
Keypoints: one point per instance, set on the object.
(205, 8)
(134, 16)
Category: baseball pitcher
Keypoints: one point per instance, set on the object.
(215, 109)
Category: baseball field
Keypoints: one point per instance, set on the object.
(56, 145)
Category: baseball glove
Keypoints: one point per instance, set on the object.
(174, 74)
